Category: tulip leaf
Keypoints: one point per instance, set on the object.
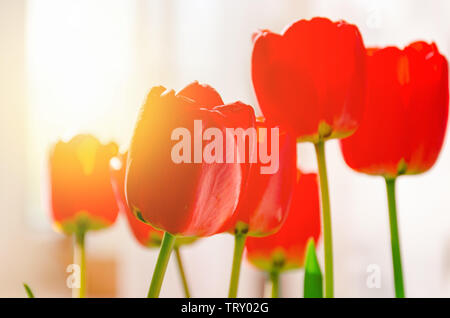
(313, 283)
(28, 290)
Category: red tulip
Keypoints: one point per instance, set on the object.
(286, 248)
(407, 109)
(404, 124)
(80, 184)
(187, 199)
(311, 78)
(264, 204)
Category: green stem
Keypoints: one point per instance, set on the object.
(80, 258)
(395, 242)
(182, 273)
(161, 265)
(326, 218)
(275, 280)
(239, 243)
(28, 290)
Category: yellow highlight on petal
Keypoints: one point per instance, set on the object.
(86, 154)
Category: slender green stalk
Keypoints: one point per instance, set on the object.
(275, 280)
(239, 243)
(326, 218)
(182, 273)
(28, 291)
(80, 259)
(395, 242)
(161, 265)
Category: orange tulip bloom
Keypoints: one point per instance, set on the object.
(187, 199)
(80, 185)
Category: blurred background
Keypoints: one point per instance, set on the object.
(69, 66)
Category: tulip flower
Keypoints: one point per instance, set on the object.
(264, 204)
(285, 250)
(144, 233)
(311, 80)
(404, 124)
(82, 198)
(173, 188)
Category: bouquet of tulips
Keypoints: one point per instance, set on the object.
(197, 166)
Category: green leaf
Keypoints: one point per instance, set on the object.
(28, 290)
(313, 284)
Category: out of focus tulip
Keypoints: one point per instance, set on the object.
(80, 185)
(82, 197)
